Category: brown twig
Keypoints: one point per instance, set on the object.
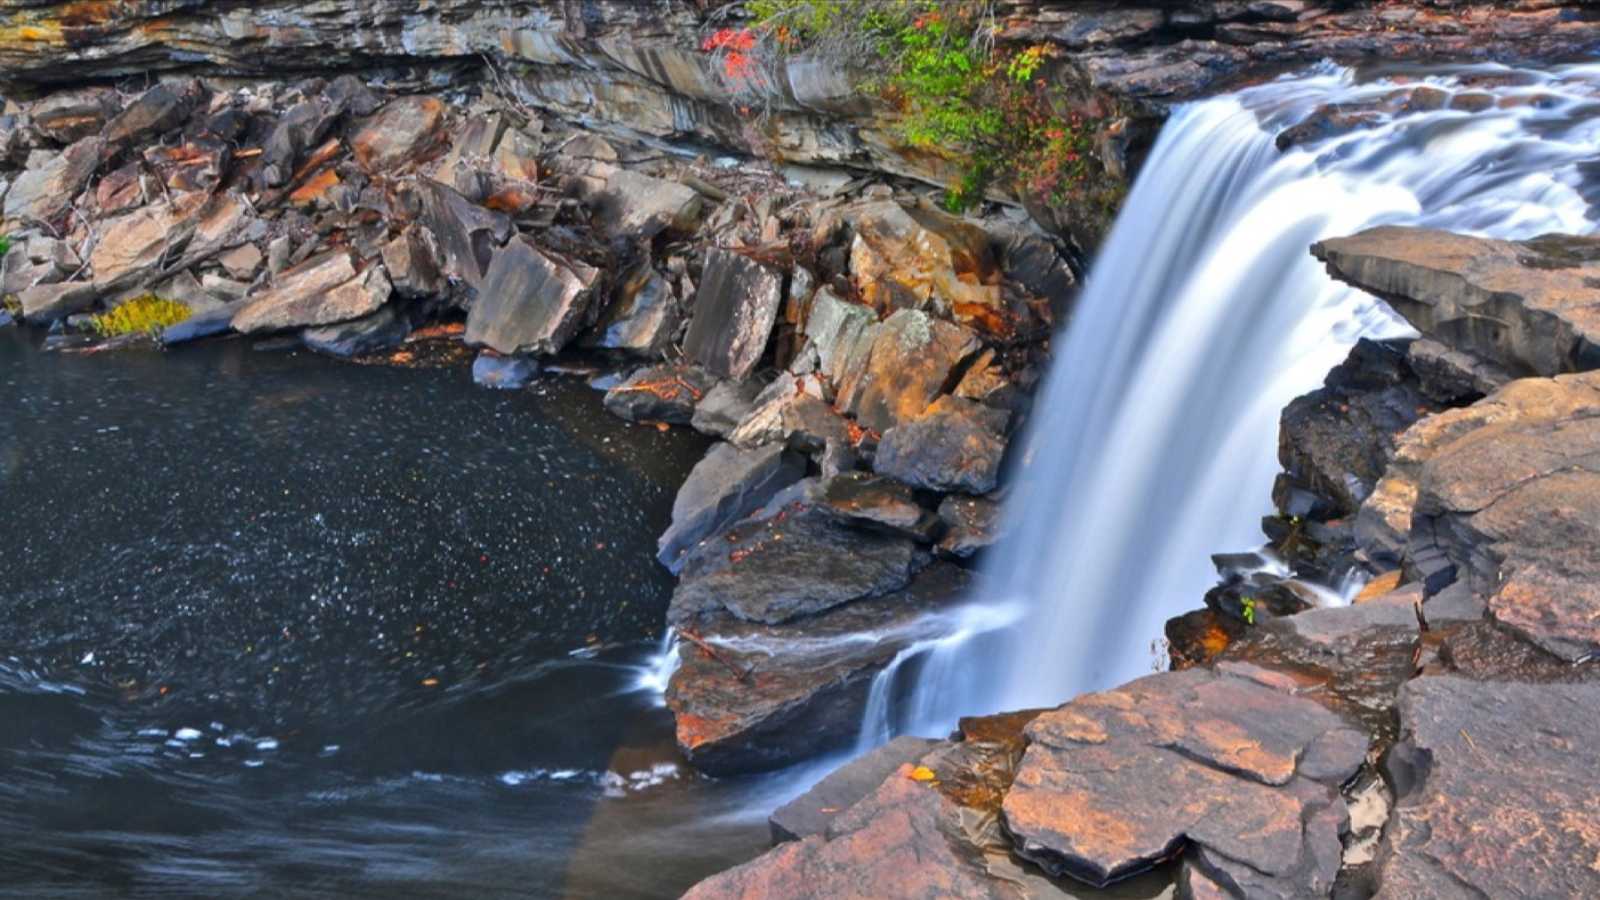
(706, 648)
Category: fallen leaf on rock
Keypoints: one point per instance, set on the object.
(923, 774)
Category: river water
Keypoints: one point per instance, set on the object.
(272, 624)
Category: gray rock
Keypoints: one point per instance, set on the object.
(74, 115)
(1524, 306)
(403, 131)
(873, 502)
(957, 445)
(242, 262)
(664, 393)
(724, 406)
(1451, 376)
(320, 291)
(811, 812)
(201, 325)
(383, 330)
(530, 303)
(153, 113)
(734, 311)
(412, 260)
(467, 233)
(642, 317)
(46, 303)
(633, 203)
(491, 370)
(45, 192)
(912, 358)
(971, 524)
(725, 486)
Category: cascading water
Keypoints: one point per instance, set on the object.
(1154, 444)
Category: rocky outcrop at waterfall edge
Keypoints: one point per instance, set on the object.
(642, 69)
(1419, 742)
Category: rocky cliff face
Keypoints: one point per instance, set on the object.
(637, 67)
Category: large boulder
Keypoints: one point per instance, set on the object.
(919, 258)
(1529, 307)
(725, 486)
(530, 303)
(1495, 791)
(641, 318)
(153, 113)
(74, 115)
(749, 696)
(1234, 766)
(734, 311)
(912, 358)
(955, 445)
(1337, 441)
(640, 205)
(792, 558)
(324, 289)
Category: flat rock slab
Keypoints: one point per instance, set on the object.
(530, 303)
(811, 812)
(1530, 307)
(1115, 782)
(403, 131)
(1497, 792)
(734, 311)
(669, 392)
(775, 694)
(955, 445)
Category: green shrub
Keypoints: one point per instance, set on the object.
(992, 111)
(142, 315)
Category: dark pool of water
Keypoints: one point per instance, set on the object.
(274, 625)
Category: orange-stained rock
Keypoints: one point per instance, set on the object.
(401, 133)
(912, 357)
(1115, 782)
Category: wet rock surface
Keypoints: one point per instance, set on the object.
(723, 488)
(749, 696)
(811, 813)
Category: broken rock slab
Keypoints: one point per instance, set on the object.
(44, 192)
(383, 330)
(1236, 768)
(401, 133)
(912, 358)
(724, 487)
(773, 694)
(734, 311)
(1528, 307)
(324, 289)
(530, 302)
(633, 203)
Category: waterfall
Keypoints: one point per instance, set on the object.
(1154, 440)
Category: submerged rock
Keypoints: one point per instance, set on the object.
(724, 487)
(492, 370)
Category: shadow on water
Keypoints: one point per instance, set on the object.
(276, 625)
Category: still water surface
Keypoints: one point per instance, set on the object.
(272, 624)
